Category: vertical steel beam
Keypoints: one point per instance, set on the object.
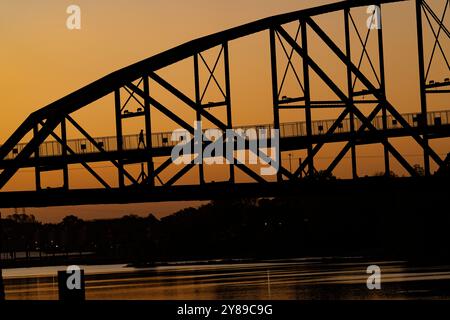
(37, 170)
(306, 85)
(64, 154)
(275, 98)
(228, 99)
(423, 95)
(350, 93)
(387, 168)
(119, 137)
(148, 132)
(199, 107)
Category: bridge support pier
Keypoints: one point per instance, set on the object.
(307, 89)
(148, 132)
(387, 167)
(119, 136)
(64, 154)
(228, 100)
(422, 87)
(350, 93)
(37, 171)
(275, 96)
(198, 102)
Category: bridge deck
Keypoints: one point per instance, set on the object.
(292, 137)
(222, 191)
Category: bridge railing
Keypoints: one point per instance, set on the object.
(287, 130)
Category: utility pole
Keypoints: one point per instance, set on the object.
(2, 287)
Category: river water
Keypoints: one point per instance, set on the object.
(299, 279)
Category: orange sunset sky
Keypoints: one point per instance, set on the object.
(42, 61)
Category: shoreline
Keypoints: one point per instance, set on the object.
(419, 261)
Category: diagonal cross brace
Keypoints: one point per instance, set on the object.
(84, 164)
(204, 113)
(161, 108)
(186, 100)
(26, 152)
(333, 87)
(92, 140)
(370, 86)
(320, 145)
(367, 124)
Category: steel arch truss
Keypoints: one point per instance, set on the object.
(134, 83)
(348, 101)
(423, 9)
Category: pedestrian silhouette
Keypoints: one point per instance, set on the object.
(141, 139)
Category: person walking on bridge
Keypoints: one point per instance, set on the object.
(141, 139)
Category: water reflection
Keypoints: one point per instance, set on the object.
(315, 278)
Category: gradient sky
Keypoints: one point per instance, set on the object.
(42, 61)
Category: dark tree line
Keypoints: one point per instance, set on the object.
(411, 222)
